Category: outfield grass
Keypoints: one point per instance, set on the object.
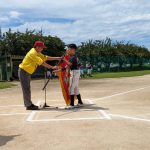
(4, 85)
(120, 74)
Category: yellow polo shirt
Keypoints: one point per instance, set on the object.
(32, 60)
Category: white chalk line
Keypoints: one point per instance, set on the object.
(13, 114)
(102, 112)
(107, 116)
(11, 106)
(127, 117)
(32, 114)
(89, 101)
(118, 94)
(66, 119)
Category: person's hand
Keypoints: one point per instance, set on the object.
(64, 59)
(56, 71)
(55, 67)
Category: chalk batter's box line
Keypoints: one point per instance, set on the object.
(128, 117)
(102, 112)
(8, 106)
(12, 114)
(66, 119)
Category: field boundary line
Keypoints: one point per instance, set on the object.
(11, 106)
(128, 117)
(118, 94)
(13, 114)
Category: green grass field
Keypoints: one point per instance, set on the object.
(120, 74)
(4, 85)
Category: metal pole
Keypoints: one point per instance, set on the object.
(45, 89)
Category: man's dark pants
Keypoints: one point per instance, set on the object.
(25, 79)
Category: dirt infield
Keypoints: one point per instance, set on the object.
(116, 116)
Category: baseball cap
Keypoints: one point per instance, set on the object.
(39, 44)
(74, 46)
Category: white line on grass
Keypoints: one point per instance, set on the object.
(118, 94)
(127, 117)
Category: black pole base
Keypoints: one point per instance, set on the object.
(45, 105)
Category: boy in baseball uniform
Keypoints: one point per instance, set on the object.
(74, 66)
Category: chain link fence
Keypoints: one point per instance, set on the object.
(109, 64)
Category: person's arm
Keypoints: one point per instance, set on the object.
(62, 69)
(41, 61)
(49, 66)
(53, 58)
(68, 62)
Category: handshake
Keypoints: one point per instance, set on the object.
(57, 68)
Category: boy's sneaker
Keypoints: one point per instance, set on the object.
(80, 104)
(70, 107)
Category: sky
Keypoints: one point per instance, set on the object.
(76, 21)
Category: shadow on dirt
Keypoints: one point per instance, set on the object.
(86, 107)
(5, 139)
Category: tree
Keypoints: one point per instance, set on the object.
(17, 43)
(107, 52)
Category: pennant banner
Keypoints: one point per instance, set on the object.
(64, 78)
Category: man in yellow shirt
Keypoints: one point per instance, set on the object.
(32, 60)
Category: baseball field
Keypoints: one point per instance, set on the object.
(116, 116)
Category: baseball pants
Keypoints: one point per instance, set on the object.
(74, 82)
